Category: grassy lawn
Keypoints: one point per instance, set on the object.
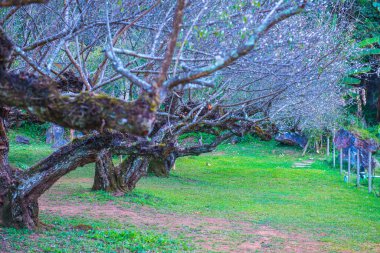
(253, 183)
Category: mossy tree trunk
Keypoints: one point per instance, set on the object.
(5, 171)
(158, 160)
(131, 170)
(20, 190)
(161, 167)
(105, 173)
(85, 111)
(121, 178)
(15, 210)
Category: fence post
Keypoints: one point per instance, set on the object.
(369, 172)
(349, 165)
(328, 147)
(341, 161)
(306, 147)
(358, 168)
(334, 162)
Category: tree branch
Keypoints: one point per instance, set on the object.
(237, 53)
(8, 3)
(177, 24)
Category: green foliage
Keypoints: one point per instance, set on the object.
(369, 52)
(359, 71)
(367, 133)
(376, 5)
(367, 34)
(367, 31)
(368, 27)
(195, 136)
(351, 80)
(369, 42)
(209, 138)
(37, 132)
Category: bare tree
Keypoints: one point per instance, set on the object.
(32, 78)
(292, 80)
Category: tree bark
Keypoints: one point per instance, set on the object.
(124, 177)
(15, 210)
(130, 171)
(121, 178)
(161, 167)
(105, 173)
(21, 189)
(5, 171)
(8, 3)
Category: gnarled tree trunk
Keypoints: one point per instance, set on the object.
(5, 171)
(131, 170)
(121, 178)
(161, 167)
(158, 160)
(20, 190)
(14, 209)
(105, 173)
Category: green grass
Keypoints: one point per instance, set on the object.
(252, 182)
(70, 235)
(255, 185)
(21, 155)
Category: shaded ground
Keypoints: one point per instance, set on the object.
(207, 233)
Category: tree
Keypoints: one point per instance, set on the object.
(39, 87)
(364, 99)
(291, 83)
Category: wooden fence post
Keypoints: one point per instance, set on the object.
(358, 168)
(306, 147)
(349, 165)
(369, 172)
(334, 162)
(341, 161)
(328, 147)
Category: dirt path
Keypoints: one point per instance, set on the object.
(213, 234)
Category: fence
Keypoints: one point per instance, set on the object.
(369, 173)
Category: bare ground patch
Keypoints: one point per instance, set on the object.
(207, 233)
